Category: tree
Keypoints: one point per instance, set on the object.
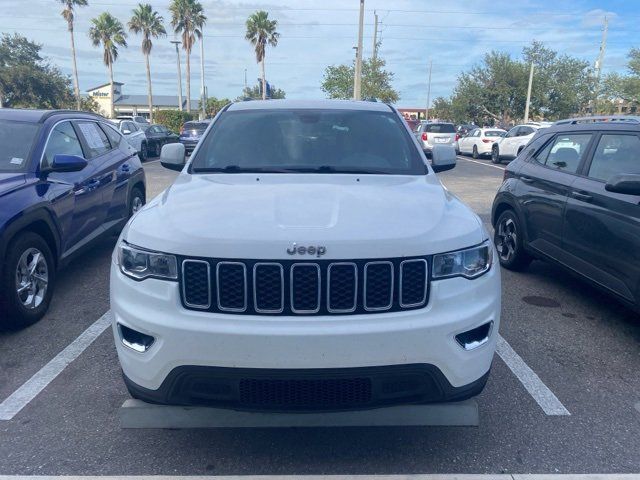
(562, 85)
(29, 81)
(68, 14)
(108, 31)
(150, 24)
(255, 92)
(260, 32)
(617, 87)
(376, 81)
(188, 19)
(214, 105)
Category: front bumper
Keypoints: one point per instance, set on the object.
(186, 339)
(189, 145)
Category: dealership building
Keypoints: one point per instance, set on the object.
(134, 104)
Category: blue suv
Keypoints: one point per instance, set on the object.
(66, 178)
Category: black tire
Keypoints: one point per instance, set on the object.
(495, 155)
(507, 237)
(144, 152)
(14, 313)
(474, 153)
(136, 200)
(157, 149)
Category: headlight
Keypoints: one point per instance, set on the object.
(139, 264)
(468, 263)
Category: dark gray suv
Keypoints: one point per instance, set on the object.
(573, 197)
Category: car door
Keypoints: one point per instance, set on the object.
(464, 142)
(76, 195)
(128, 129)
(602, 229)
(101, 153)
(524, 136)
(542, 187)
(508, 143)
(124, 161)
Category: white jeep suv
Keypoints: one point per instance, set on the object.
(510, 146)
(315, 264)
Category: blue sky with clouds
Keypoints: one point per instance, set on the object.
(454, 34)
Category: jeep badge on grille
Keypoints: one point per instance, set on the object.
(318, 251)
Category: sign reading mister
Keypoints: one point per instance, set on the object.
(310, 250)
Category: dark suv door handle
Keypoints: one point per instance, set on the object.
(526, 179)
(581, 196)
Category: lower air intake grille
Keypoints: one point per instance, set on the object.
(320, 393)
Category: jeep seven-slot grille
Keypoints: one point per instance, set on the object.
(321, 287)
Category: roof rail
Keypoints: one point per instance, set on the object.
(599, 119)
(50, 113)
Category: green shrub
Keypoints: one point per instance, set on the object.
(172, 119)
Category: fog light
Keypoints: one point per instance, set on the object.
(135, 340)
(476, 337)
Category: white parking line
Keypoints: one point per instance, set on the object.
(480, 163)
(32, 387)
(536, 387)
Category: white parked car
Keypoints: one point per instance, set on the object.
(509, 146)
(135, 136)
(317, 263)
(479, 141)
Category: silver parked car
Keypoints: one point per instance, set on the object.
(134, 135)
(435, 133)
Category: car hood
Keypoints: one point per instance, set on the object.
(260, 217)
(9, 181)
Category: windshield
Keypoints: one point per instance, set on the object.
(322, 141)
(439, 128)
(16, 140)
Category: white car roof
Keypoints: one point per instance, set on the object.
(309, 104)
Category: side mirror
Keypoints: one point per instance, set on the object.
(67, 163)
(172, 156)
(443, 158)
(626, 183)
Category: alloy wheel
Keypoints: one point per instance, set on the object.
(136, 204)
(506, 239)
(32, 278)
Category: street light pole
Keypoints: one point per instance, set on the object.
(177, 43)
(203, 99)
(357, 83)
(426, 111)
(526, 108)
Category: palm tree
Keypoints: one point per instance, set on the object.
(148, 22)
(67, 14)
(188, 19)
(108, 31)
(260, 31)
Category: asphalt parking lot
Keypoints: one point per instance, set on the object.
(563, 396)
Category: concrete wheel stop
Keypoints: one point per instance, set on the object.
(139, 414)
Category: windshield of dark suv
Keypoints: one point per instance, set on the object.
(16, 141)
(315, 141)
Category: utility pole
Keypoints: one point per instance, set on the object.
(203, 95)
(426, 110)
(375, 36)
(357, 82)
(526, 108)
(245, 78)
(598, 65)
(177, 43)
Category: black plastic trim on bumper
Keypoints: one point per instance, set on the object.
(376, 387)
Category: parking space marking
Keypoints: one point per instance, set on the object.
(19, 399)
(480, 163)
(530, 380)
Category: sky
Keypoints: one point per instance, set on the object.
(453, 34)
